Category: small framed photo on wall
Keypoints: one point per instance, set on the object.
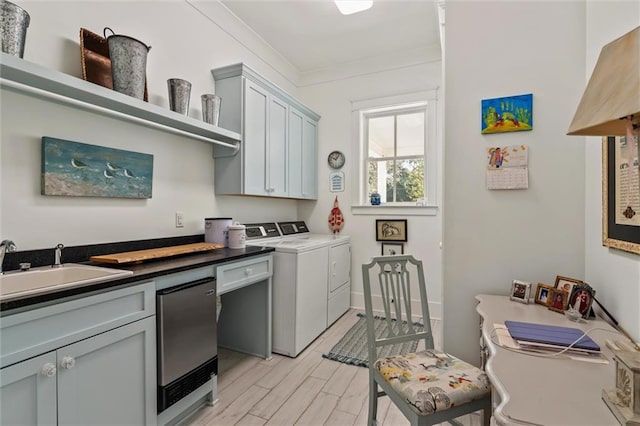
(520, 291)
(542, 294)
(392, 249)
(558, 300)
(391, 230)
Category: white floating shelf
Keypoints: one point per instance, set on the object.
(24, 76)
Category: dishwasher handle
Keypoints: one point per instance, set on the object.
(188, 285)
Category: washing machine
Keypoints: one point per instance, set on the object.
(311, 282)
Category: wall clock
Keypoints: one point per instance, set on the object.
(336, 160)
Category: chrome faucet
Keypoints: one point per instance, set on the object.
(6, 246)
(57, 262)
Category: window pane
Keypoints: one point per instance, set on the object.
(411, 134)
(408, 184)
(379, 173)
(381, 137)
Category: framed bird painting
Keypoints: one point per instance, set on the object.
(81, 170)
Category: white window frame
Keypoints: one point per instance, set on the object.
(360, 199)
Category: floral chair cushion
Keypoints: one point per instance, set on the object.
(433, 381)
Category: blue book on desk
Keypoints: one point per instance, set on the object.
(550, 335)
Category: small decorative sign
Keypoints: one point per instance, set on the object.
(336, 180)
(81, 170)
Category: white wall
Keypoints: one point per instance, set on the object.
(496, 49)
(186, 43)
(332, 99)
(614, 273)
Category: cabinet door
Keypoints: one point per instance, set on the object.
(254, 144)
(339, 265)
(277, 148)
(296, 120)
(109, 379)
(28, 392)
(309, 159)
(303, 155)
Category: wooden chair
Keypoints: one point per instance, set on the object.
(428, 386)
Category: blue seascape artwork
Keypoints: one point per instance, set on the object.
(81, 170)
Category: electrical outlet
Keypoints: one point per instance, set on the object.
(179, 220)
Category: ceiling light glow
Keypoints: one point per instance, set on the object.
(347, 7)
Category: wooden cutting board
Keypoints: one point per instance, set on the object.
(157, 253)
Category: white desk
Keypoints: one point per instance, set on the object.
(531, 390)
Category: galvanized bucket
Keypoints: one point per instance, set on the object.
(14, 22)
(128, 63)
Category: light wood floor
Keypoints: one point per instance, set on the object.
(306, 390)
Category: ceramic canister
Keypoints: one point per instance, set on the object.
(216, 230)
(237, 236)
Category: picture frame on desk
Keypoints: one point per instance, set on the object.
(543, 293)
(558, 300)
(581, 299)
(520, 291)
(566, 283)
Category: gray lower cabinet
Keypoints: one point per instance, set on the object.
(98, 366)
(278, 154)
(28, 392)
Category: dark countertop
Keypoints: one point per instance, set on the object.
(141, 272)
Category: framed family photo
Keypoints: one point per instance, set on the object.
(391, 230)
(542, 294)
(520, 291)
(392, 249)
(581, 299)
(558, 300)
(566, 283)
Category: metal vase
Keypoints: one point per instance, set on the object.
(14, 22)
(128, 63)
(179, 94)
(211, 108)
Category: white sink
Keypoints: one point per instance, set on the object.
(46, 279)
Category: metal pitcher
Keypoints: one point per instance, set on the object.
(128, 63)
(14, 22)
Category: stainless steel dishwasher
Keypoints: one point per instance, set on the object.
(187, 339)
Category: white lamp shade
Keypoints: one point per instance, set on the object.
(613, 91)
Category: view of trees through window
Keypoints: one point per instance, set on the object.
(396, 154)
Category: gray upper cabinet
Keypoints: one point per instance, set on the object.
(278, 154)
(303, 157)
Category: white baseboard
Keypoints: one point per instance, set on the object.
(357, 302)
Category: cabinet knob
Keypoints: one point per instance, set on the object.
(48, 370)
(248, 271)
(67, 362)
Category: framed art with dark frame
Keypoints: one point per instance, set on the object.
(620, 221)
(391, 230)
(581, 299)
(392, 249)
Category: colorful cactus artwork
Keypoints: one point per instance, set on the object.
(509, 114)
